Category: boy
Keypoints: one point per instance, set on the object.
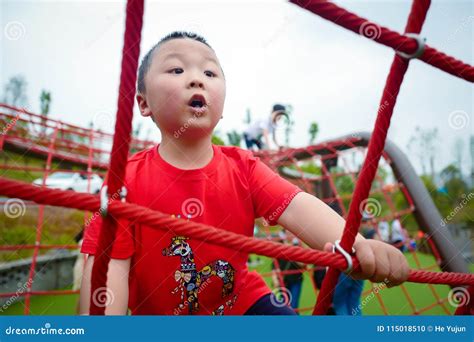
(181, 86)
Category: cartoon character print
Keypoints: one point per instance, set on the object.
(229, 304)
(190, 280)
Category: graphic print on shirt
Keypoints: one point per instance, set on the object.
(191, 280)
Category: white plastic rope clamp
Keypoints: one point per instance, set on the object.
(104, 199)
(419, 50)
(347, 256)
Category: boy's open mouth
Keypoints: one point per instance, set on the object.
(197, 101)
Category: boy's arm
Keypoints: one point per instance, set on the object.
(117, 287)
(319, 226)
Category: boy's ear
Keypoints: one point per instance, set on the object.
(143, 105)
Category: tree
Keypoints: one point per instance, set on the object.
(458, 150)
(313, 132)
(234, 138)
(45, 101)
(136, 131)
(248, 117)
(15, 92)
(453, 183)
(471, 148)
(450, 172)
(424, 144)
(216, 139)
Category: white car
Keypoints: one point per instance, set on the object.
(72, 181)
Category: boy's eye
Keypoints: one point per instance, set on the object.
(176, 71)
(209, 73)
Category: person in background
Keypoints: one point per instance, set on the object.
(384, 231)
(263, 129)
(397, 236)
(287, 274)
(346, 299)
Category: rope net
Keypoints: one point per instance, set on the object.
(353, 175)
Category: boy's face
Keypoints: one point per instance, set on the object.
(185, 89)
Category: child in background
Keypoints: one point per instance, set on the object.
(263, 129)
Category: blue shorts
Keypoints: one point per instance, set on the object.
(269, 305)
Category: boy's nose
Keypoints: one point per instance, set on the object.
(195, 83)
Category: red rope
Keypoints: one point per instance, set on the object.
(202, 232)
(226, 238)
(385, 36)
(119, 154)
(374, 153)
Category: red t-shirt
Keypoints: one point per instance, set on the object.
(172, 275)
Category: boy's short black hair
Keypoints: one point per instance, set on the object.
(146, 61)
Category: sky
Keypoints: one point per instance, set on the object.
(271, 52)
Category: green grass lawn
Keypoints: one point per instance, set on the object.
(46, 305)
(394, 299)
